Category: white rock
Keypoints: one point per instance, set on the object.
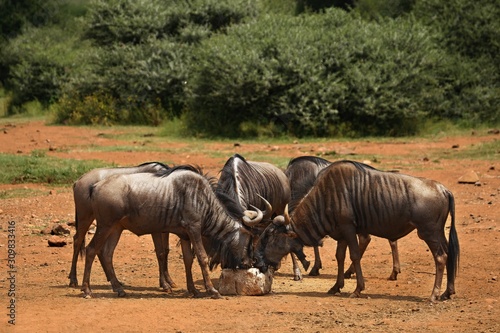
(250, 282)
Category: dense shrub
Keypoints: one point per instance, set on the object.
(135, 21)
(142, 83)
(470, 28)
(316, 75)
(39, 63)
(236, 67)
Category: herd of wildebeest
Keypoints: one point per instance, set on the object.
(255, 214)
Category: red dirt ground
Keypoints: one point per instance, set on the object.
(45, 303)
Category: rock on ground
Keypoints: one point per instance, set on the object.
(250, 282)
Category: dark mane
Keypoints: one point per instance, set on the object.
(302, 172)
(360, 166)
(227, 181)
(313, 159)
(186, 167)
(154, 163)
(232, 207)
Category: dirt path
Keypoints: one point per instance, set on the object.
(44, 302)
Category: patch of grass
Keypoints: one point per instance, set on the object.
(482, 151)
(40, 168)
(21, 193)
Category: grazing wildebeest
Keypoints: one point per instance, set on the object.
(181, 201)
(247, 182)
(302, 172)
(350, 198)
(84, 215)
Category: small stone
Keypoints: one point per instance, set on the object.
(60, 229)
(56, 241)
(455, 146)
(470, 177)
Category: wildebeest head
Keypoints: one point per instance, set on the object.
(277, 240)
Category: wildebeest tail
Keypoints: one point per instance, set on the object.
(453, 245)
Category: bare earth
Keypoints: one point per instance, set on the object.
(45, 303)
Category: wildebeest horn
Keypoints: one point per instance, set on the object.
(287, 216)
(250, 219)
(269, 209)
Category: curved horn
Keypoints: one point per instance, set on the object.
(269, 208)
(252, 222)
(287, 216)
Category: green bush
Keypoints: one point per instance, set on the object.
(315, 75)
(37, 71)
(127, 84)
(470, 28)
(128, 21)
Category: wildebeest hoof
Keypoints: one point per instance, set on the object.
(314, 272)
(172, 284)
(122, 293)
(334, 291)
(355, 295)
(87, 296)
(445, 296)
(167, 290)
(216, 295)
(73, 284)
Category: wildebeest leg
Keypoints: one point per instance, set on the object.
(106, 258)
(396, 268)
(187, 255)
(364, 240)
(355, 255)
(340, 256)
(438, 246)
(162, 248)
(94, 247)
(202, 257)
(166, 248)
(83, 222)
(317, 263)
(297, 274)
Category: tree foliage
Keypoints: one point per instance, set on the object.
(234, 67)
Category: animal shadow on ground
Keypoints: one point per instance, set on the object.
(133, 292)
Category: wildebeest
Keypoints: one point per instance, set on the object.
(302, 172)
(247, 182)
(350, 198)
(84, 215)
(181, 201)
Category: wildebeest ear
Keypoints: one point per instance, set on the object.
(291, 234)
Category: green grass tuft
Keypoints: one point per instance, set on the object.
(40, 168)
